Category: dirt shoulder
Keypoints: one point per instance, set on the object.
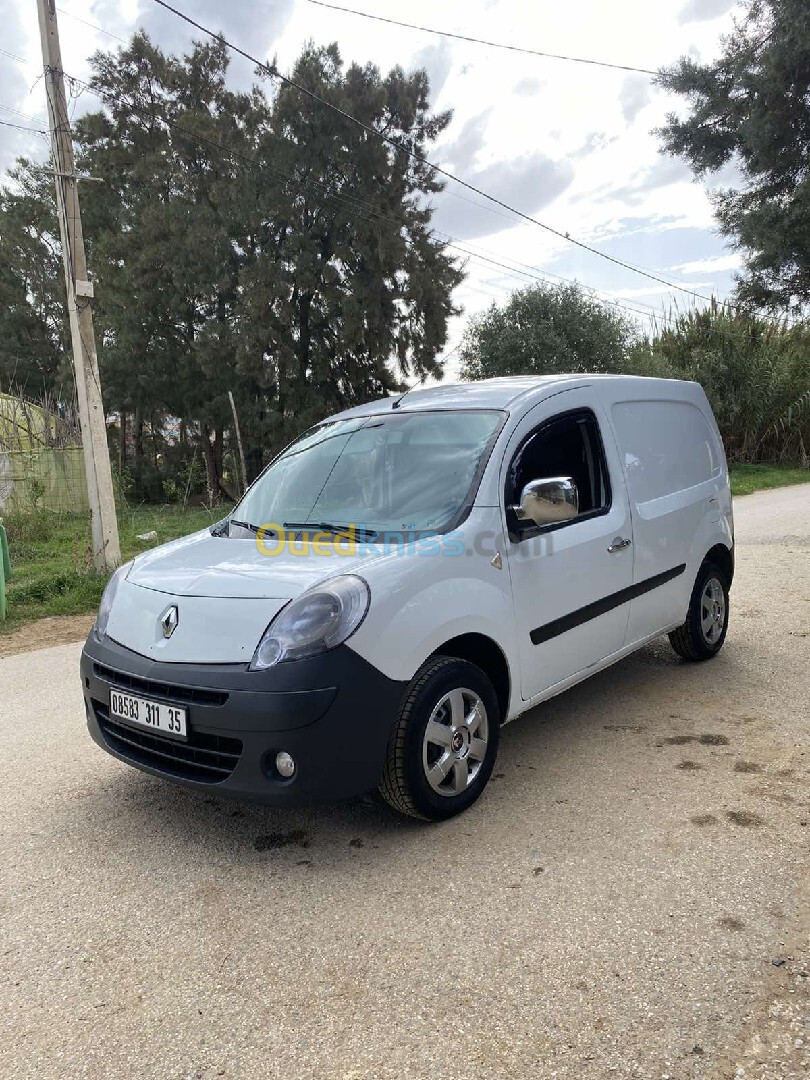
(45, 633)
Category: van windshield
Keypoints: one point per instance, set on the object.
(407, 472)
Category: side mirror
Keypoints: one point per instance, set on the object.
(546, 502)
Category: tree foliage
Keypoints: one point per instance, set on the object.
(756, 374)
(751, 109)
(33, 327)
(253, 242)
(546, 329)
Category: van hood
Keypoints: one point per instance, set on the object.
(217, 566)
(198, 576)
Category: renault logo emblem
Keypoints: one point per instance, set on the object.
(169, 620)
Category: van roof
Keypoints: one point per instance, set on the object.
(486, 394)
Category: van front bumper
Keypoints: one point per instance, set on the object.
(332, 713)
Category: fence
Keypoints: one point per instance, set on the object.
(43, 478)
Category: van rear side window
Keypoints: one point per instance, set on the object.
(666, 446)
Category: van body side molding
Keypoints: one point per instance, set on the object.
(601, 607)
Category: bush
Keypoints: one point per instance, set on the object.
(756, 374)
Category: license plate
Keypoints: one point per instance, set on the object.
(155, 715)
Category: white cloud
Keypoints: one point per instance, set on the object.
(528, 183)
(634, 95)
(528, 86)
(437, 60)
(714, 265)
(461, 151)
(704, 10)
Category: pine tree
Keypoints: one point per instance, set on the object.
(752, 108)
(33, 323)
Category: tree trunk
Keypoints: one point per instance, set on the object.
(211, 478)
(137, 436)
(122, 442)
(212, 454)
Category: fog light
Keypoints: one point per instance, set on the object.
(285, 764)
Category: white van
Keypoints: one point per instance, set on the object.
(408, 576)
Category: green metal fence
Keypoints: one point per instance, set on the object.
(43, 478)
(5, 571)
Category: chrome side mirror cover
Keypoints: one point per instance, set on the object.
(548, 501)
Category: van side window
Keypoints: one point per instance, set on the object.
(569, 445)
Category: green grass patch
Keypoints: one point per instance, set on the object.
(746, 479)
(51, 556)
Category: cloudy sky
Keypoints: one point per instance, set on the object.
(568, 143)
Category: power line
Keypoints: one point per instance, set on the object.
(354, 203)
(21, 127)
(481, 41)
(547, 274)
(540, 275)
(273, 72)
(93, 26)
(13, 56)
(16, 112)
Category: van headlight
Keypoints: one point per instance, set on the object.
(315, 622)
(107, 599)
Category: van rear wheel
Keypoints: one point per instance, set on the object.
(702, 635)
(443, 746)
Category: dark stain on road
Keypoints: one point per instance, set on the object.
(272, 841)
(704, 740)
(703, 819)
(731, 922)
(744, 818)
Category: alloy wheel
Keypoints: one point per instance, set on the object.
(455, 742)
(712, 611)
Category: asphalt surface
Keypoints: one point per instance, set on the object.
(630, 898)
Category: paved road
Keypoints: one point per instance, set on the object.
(630, 899)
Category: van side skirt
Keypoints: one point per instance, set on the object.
(601, 607)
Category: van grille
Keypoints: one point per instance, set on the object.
(206, 758)
(182, 695)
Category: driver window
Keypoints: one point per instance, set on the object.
(567, 446)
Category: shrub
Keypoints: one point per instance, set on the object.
(756, 374)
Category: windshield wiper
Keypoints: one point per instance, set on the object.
(337, 530)
(249, 526)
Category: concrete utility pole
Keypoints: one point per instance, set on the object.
(104, 524)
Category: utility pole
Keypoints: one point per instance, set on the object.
(104, 524)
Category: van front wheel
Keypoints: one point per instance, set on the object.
(443, 746)
(703, 633)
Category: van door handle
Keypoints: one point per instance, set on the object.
(618, 544)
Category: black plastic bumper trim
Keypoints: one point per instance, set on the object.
(333, 713)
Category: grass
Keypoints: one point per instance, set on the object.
(51, 563)
(52, 571)
(746, 479)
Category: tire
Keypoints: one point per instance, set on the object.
(433, 774)
(702, 635)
